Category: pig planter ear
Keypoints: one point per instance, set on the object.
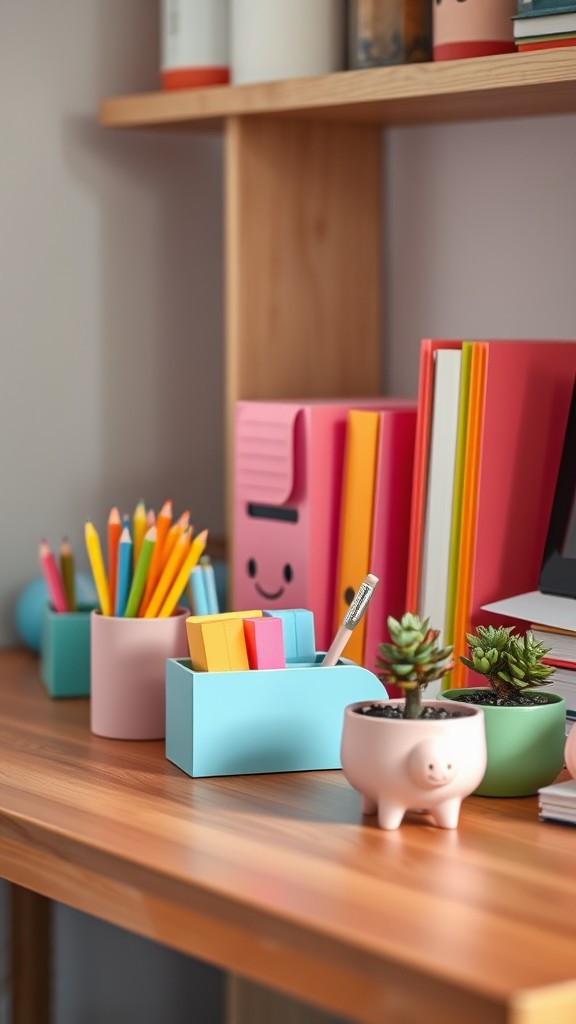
(414, 754)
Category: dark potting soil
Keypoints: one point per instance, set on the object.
(397, 711)
(491, 699)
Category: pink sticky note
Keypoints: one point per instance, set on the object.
(264, 642)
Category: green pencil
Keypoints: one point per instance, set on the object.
(140, 574)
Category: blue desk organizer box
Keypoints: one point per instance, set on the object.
(65, 653)
(266, 720)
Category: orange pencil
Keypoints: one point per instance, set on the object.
(175, 531)
(169, 573)
(163, 523)
(114, 531)
(179, 586)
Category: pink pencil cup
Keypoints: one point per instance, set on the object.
(128, 673)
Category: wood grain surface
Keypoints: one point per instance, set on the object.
(279, 879)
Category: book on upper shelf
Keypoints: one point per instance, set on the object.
(534, 8)
(546, 43)
(545, 24)
(558, 802)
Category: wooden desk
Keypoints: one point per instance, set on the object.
(278, 878)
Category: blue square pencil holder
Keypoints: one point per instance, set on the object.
(65, 653)
(264, 720)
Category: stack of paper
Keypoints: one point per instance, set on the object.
(558, 802)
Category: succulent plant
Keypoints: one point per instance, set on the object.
(510, 661)
(412, 659)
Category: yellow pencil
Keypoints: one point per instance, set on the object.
(179, 585)
(97, 565)
(138, 530)
(169, 573)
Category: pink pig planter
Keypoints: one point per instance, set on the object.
(426, 765)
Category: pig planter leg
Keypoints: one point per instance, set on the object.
(447, 813)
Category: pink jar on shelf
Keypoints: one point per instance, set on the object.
(472, 28)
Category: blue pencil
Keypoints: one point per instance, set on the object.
(210, 585)
(124, 571)
(198, 588)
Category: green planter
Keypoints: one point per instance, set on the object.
(525, 744)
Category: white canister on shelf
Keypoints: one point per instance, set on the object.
(272, 39)
(194, 43)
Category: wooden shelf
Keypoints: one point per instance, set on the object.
(513, 85)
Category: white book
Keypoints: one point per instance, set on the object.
(546, 25)
(558, 801)
(564, 684)
(440, 490)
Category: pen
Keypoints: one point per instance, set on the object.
(355, 612)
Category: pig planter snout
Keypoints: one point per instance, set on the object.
(430, 765)
(399, 764)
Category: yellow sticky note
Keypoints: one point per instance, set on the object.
(217, 644)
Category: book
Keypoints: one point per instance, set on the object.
(420, 474)
(545, 609)
(457, 677)
(544, 25)
(440, 490)
(554, 43)
(358, 486)
(518, 466)
(561, 646)
(557, 802)
(458, 491)
(390, 526)
(532, 8)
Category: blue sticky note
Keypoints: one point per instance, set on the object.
(298, 626)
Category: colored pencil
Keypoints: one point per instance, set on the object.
(150, 518)
(138, 530)
(97, 565)
(200, 603)
(67, 573)
(178, 587)
(114, 531)
(140, 574)
(163, 524)
(175, 531)
(169, 573)
(52, 577)
(124, 575)
(210, 584)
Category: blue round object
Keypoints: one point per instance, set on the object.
(32, 600)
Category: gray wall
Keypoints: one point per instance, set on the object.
(111, 328)
(110, 289)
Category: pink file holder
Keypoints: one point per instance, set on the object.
(128, 669)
